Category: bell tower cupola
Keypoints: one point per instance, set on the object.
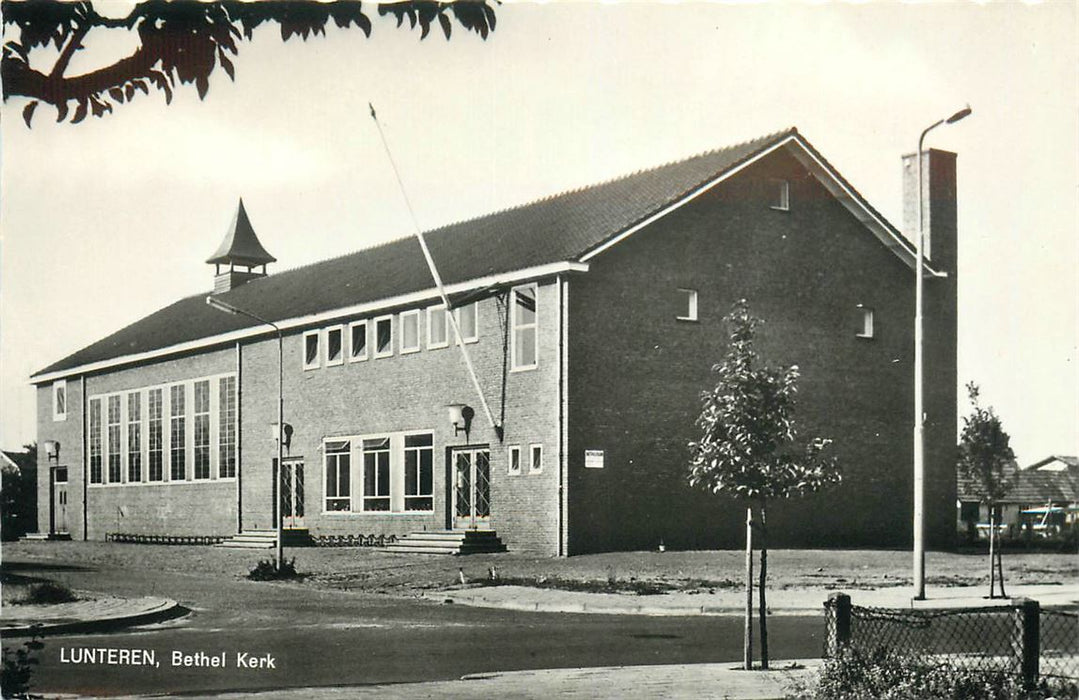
(240, 249)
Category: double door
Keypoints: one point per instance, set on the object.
(471, 469)
(292, 494)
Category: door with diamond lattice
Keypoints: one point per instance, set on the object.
(471, 473)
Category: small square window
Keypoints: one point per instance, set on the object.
(513, 457)
(866, 317)
(410, 331)
(335, 351)
(468, 322)
(437, 327)
(59, 400)
(357, 341)
(779, 195)
(384, 336)
(310, 349)
(688, 301)
(535, 464)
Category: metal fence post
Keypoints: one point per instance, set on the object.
(1027, 635)
(838, 633)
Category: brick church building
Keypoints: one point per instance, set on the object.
(591, 319)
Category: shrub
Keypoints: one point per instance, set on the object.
(48, 593)
(18, 669)
(266, 570)
(883, 674)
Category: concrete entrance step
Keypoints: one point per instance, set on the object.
(448, 542)
(32, 536)
(265, 539)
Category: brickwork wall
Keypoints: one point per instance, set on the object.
(69, 434)
(205, 507)
(635, 373)
(410, 393)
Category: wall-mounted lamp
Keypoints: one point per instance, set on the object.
(276, 433)
(461, 418)
(52, 450)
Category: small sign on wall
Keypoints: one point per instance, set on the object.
(593, 459)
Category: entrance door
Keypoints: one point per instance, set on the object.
(59, 501)
(292, 494)
(471, 489)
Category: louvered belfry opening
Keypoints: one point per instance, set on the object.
(240, 257)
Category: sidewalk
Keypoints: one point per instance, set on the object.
(804, 601)
(719, 681)
(89, 615)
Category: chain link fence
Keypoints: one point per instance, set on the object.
(1019, 640)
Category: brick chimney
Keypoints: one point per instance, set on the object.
(938, 206)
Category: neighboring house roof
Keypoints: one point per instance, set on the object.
(1056, 463)
(241, 246)
(565, 229)
(15, 460)
(1030, 487)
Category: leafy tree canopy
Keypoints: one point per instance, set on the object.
(985, 453)
(181, 42)
(748, 438)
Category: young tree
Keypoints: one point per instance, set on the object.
(748, 449)
(179, 42)
(987, 460)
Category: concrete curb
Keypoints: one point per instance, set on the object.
(154, 610)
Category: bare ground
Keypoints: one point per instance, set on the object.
(371, 570)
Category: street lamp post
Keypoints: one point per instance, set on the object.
(276, 490)
(919, 407)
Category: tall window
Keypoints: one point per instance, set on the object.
(114, 439)
(467, 322)
(59, 400)
(436, 327)
(177, 434)
(134, 437)
(419, 472)
(95, 442)
(779, 194)
(384, 336)
(535, 463)
(310, 349)
(357, 341)
(513, 457)
(155, 458)
(202, 429)
(338, 459)
(334, 346)
(524, 325)
(410, 331)
(226, 429)
(866, 314)
(376, 474)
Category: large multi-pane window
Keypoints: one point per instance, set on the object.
(134, 437)
(338, 478)
(523, 308)
(95, 442)
(226, 429)
(177, 433)
(376, 474)
(419, 472)
(164, 433)
(114, 439)
(201, 419)
(155, 435)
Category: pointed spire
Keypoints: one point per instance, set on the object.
(241, 246)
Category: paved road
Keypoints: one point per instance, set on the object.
(321, 637)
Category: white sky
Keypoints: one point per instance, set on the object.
(108, 220)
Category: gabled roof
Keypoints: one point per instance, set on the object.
(1030, 487)
(1056, 463)
(554, 234)
(241, 246)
